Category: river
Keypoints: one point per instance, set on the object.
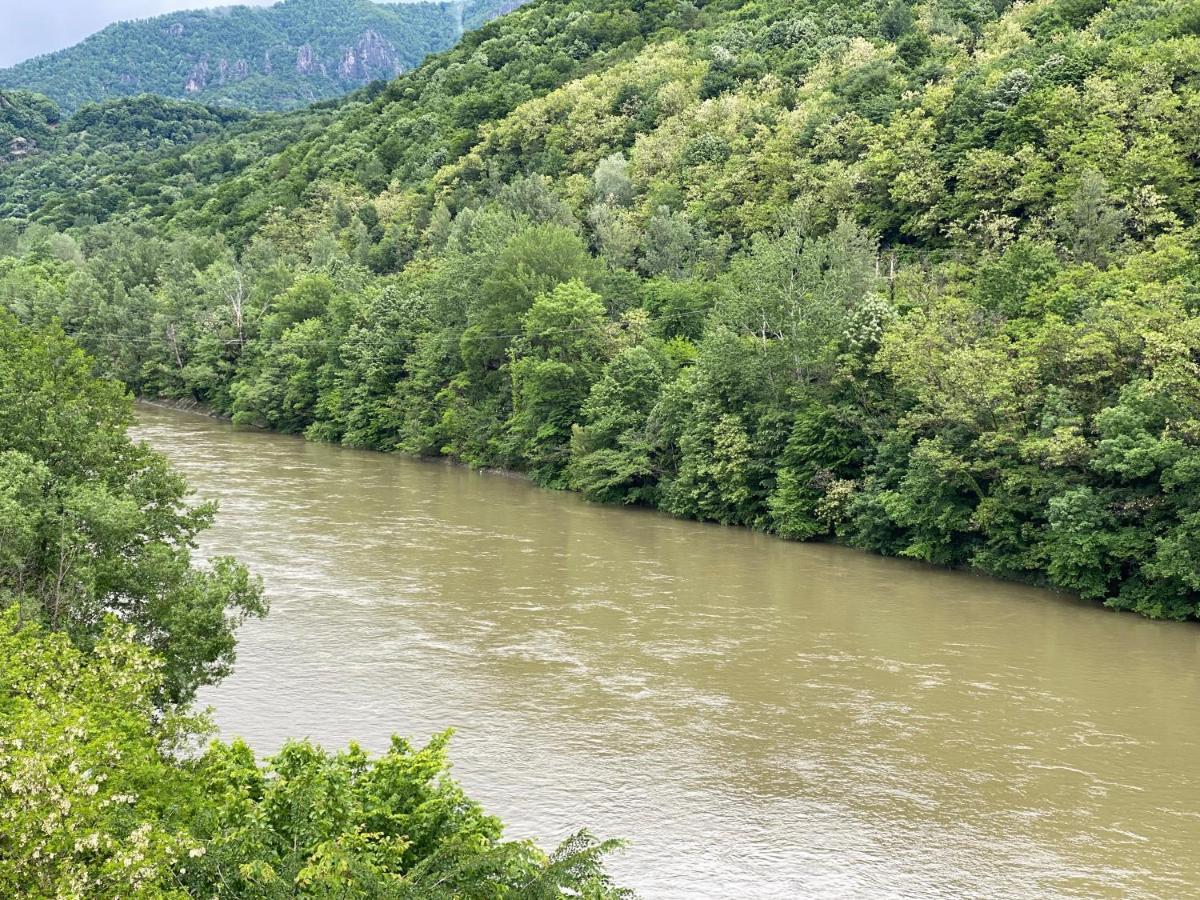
(758, 718)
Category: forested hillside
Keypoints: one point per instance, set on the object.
(264, 58)
(917, 277)
(26, 123)
(124, 155)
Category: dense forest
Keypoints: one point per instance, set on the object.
(264, 58)
(27, 124)
(109, 783)
(108, 156)
(917, 277)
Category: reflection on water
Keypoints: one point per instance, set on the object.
(758, 718)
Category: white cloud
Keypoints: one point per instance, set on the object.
(29, 28)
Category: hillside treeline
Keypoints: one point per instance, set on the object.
(921, 278)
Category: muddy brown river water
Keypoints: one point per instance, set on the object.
(758, 718)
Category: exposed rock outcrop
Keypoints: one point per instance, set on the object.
(20, 147)
(374, 56)
(235, 71)
(17, 148)
(307, 62)
(348, 64)
(197, 79)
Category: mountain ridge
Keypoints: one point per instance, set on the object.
(271, 58)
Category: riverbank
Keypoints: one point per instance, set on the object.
(842, 720)
(188, 406)
(192, 406)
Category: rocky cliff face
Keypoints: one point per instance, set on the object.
(307, 63)
(201, 75)
(374, 56)
(19, 148)
(197, 79)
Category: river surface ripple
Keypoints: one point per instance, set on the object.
(758, 718)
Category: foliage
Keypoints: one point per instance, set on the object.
(92, 802)
(916, 277)
(104, 795)
(94, 525)
(266, 58)
(84, 168)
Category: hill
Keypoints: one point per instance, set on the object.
(263, 58)
(107, 156)
(26, 122)
(917, 277)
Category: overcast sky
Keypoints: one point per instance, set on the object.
(31, 27)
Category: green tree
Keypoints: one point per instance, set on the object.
(612, 449)
(561, 354)
(533, 262)
(1090, 223)
(99, 525)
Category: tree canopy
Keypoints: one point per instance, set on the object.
(918, 277)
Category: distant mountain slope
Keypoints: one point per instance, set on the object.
(266, 58)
